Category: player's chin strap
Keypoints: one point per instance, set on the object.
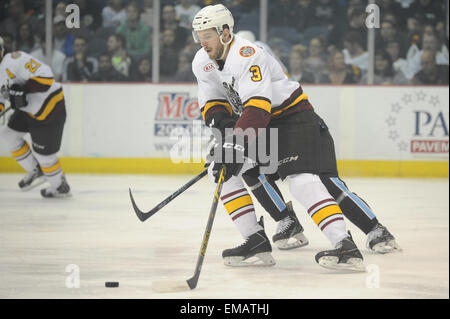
(225, 45)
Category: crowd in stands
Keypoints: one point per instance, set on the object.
(318, 41)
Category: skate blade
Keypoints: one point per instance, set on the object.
(258, 260)
(297, 241)
(39, 181)
(353, 264)
(59, 196)
(387, 247)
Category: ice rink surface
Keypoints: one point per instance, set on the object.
(46, 245)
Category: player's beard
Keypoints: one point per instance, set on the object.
(219, 52)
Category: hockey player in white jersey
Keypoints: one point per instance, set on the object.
(39, 109)
(234, 75)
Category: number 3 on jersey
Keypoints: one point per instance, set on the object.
(256, 71)
(32, 66)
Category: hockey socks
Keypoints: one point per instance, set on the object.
(321, 206)
(353, 207)
(239, 205)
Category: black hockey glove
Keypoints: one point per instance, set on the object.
(232, 157)
(17, 96)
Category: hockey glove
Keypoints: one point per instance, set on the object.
(232, 157)
(17, 96)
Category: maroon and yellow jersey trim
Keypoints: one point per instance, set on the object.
(259, 102)
(222, 104)
(2, 107)
(294, 99)
(49, 104)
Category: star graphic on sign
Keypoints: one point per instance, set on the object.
(421, 96)
(402, 146)
(396, 107)
(393, 135)
(390, 121)
(434, 100)
(407, 98)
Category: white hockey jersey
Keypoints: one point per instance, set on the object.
(249, 77)
(43, 92)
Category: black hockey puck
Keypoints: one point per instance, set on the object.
(111, 284)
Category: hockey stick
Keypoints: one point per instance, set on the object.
(191, 283)
(5, 111)
(143, 216)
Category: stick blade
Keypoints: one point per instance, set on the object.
(167, 286)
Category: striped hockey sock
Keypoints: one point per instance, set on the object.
(321, 206)
(24, 157)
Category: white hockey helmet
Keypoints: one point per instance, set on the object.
(247, 35)
(214, 16)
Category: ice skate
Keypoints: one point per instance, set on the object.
(255, 251)
(381, 241)
(63, 190)
(346, 256)
(32, 179)
(289, 234)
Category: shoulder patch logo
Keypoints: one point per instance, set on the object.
(209, 67)
(246, 51)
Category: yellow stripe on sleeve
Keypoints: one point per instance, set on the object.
(45, 81)
(259, 103)
(211, 104)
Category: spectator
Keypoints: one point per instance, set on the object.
(399, 63)
(297, 70)
(185, 12)
(388, 32)
(282, 11)
(325, 13)
(60, 9)
(339, 72)
(191, 48)
(8, 42)
(315, 62)
(304, 12)
(143, 72)
(135, 32)
(430, 42)
(394, 9)
(147, 13)
(168, 54)
(16, 16)
(354, 53)
(106, 71)
(384, 72)
(63, 40)
(428, 11)
(79, 67)
(25, 38)
(184, 70)
(57, 63)
(355, 23)
(169, 22)
(431, 72)
(90, 14)
(113, 14)
(119, 56)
